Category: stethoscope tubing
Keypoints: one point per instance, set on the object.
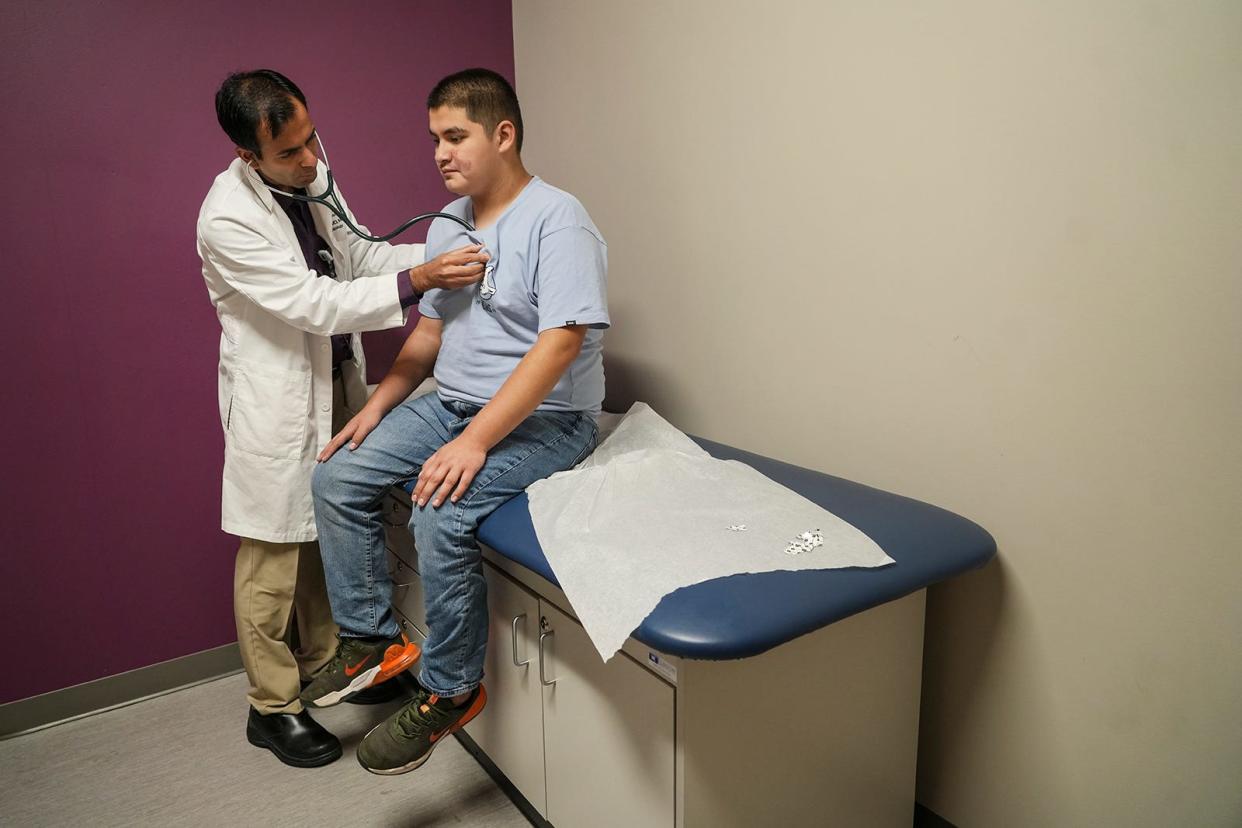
(329, 200)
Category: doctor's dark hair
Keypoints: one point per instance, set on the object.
(247, 100)
(486, 96)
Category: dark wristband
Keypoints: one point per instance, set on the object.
(405, 289)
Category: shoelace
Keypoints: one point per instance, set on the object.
(413, 722)
(345, 650)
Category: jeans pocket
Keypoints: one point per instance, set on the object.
(592, 432)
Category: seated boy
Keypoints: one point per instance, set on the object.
(518, 364)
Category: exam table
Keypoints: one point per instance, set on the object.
(779, 698)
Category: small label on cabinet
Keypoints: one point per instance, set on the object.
(662, 666)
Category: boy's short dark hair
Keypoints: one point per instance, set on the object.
(247, 99)
(485, 95)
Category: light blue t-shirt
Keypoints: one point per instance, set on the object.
(548, 269)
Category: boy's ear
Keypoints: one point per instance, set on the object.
(506, 136)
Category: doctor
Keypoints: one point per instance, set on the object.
(292, 288)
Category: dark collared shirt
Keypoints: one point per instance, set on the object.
(319, 258)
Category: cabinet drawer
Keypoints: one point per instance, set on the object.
(395, 508)
(395, 516)
(399, 567)
(397, 540)
(399, 544)
(416, 634)
(407, 593)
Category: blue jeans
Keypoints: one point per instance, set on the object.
(349, 487)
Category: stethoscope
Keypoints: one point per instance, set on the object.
(329, 200)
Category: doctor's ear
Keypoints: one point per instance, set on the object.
(247, 157)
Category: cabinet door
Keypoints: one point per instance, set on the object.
(608, 734)
(510, 728)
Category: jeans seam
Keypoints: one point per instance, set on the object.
(457, 550)
(371, 538)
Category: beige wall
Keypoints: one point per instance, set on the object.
(983, 254)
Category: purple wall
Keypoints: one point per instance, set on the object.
(111, 556)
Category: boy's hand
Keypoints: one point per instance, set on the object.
(449, 271)
(451, 469)
(354, 432)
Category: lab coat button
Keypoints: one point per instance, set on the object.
(325, 347)
(325, 407)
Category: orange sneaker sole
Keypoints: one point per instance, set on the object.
(397, 659)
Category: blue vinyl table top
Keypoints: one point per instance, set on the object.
(744, 615)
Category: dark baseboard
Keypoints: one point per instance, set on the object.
(927, 818)
(502, 781)
(923, 817)
(110, 692)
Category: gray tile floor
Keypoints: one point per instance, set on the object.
(183, 759)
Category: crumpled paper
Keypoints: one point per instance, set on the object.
(650, 511)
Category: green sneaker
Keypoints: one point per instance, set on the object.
(406, 739)
(357, 665)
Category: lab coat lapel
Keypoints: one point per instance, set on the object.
(264, 195)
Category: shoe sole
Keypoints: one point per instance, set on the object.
(396, 663)
(475, 709)
(394, 690)
(293, 761)
(393, 665)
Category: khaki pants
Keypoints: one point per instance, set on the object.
(274, 583)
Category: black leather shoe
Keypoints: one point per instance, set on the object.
(295, 738)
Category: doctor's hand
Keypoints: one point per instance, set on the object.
(354, 432)
(451, 469)
(449, 271)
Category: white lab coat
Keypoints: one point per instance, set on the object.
(276, 317)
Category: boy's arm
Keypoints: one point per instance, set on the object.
(453, 467)
(412, 365)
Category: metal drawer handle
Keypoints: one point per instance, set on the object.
(398, 525)
(542, 678)
(401, 566)
(513, 640)
(395, 510)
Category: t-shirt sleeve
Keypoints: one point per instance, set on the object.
(428, 306)
(571, 279)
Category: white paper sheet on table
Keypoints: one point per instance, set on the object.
(650, 511)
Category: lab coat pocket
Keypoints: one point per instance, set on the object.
(269, 411)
